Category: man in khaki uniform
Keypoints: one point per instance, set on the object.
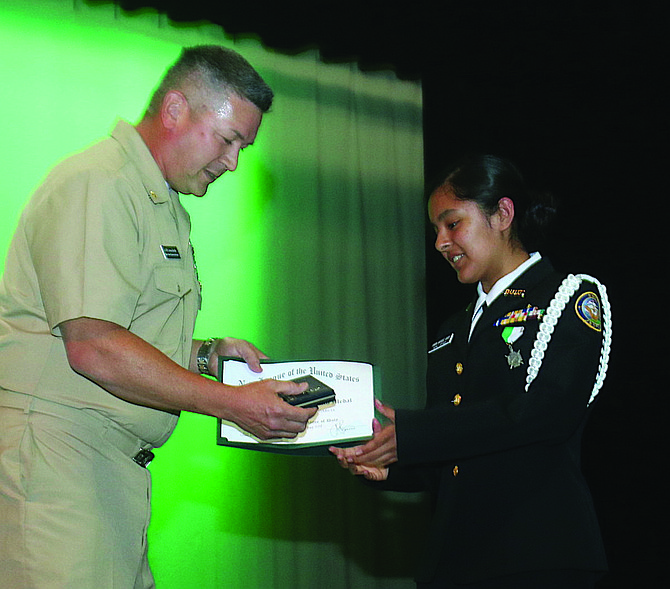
(97, 309)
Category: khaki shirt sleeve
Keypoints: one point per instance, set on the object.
(84, 250)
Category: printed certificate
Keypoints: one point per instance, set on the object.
(343, 421)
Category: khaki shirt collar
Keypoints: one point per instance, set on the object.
(138, 152)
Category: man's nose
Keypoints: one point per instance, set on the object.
(230, 158)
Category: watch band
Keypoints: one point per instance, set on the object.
(202, 359)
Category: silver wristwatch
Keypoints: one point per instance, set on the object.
(202, 359)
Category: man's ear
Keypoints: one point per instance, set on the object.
(505, 212)
(173, 109)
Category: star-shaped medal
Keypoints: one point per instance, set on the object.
(514, 358)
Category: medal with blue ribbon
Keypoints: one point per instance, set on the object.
(510, 335)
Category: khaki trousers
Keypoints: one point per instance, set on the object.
(74, 506)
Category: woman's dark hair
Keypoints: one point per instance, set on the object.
(485, 179)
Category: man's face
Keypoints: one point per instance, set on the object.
(208, 143)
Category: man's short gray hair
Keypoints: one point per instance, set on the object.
(213, 69)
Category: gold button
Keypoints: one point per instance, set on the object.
(455, 471)
(459, 368)
(456, 400)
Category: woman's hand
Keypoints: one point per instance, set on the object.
(372, 458)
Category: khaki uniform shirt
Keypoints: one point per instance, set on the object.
(103, 237)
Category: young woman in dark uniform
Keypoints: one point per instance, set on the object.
(510, 382)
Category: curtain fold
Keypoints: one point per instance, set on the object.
(313, 249)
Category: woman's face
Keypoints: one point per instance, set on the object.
(476, 246)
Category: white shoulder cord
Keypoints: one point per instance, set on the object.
(568, 288)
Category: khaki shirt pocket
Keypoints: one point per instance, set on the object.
(172, 280)
(168, 321)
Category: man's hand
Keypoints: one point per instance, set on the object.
(229, 346)
(260, 411)
(239, 348)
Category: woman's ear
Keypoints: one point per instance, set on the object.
(505, 213)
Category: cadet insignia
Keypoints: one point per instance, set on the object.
(445, 341)
(514, 292)
(588, 310)
(520, 315)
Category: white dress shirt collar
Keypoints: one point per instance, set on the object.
(500, 286)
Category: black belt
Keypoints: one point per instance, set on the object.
(143, 457)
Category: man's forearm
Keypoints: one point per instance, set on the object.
(132, 369)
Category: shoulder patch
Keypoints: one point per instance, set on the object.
(588, 309)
